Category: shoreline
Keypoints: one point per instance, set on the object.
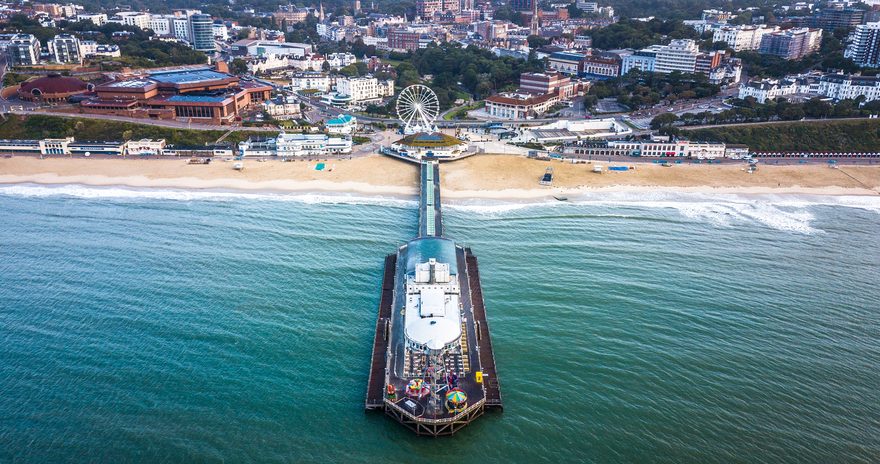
(347, 189)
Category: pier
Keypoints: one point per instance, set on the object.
(432, 367)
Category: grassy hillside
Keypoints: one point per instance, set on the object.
(827, 135)
(40, 126)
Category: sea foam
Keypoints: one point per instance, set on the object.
(785, 212)
(126, 193)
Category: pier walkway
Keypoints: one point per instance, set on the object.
(430, 217)
(484, 340)
(376, 384)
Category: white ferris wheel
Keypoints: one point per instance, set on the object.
(417, 108)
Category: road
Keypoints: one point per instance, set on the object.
(714, 104)
(764, 123)
(145, 121)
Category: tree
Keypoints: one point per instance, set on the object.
(407, 75)
(349, 71)
(663, 120)
(238, 66)
(536, 41)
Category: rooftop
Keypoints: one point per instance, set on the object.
(134, 83)
(197, 98)
(188, 77)
(434, 139)
(343, 119)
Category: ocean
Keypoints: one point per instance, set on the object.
(172, 326)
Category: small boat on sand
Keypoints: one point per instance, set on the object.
(238, 166)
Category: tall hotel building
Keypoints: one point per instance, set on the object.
(864, 47)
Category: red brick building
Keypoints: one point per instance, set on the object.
(200, 95)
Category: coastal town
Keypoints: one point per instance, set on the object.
(575, 83)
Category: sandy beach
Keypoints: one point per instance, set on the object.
(486, 176)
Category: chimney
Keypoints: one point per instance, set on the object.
(222, 67)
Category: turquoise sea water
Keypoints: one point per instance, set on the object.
(206, 327)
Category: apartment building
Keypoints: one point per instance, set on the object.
(864, 46)
(23, 50)
(131, 18)
(65, 48)
(792, 44)
(99, 19)
(679, 55)
(743, 37)
(642, 60)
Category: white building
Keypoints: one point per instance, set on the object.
(864, 45)
(180, 29)
(23, 50)
(312, 81)
(267, 63)
(295, 145)
(312, 62)
(842, 87)
(91, 48)
(255, 47)
(145, 147)
(344, 124)
(742, 37)
(657, 147)
(282, 108)
(567, 131)
(131, 18)
(99, 19)
(162, 24)
(643, 60)
(340, 60)
(365, 89)
(679, 55)
(518, 105)
(221, 32)
(768, 89)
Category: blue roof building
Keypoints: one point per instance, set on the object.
(343, 124)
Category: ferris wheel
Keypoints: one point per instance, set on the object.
(417, 108)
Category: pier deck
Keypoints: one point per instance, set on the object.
(484, 340)
(376, 384)
(468, 364)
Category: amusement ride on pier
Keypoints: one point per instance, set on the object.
(432, 368)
